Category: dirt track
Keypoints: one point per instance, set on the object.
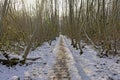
(60, 69)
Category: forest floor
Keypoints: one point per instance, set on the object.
(60, 61)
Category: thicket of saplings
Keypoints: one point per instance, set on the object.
(23, 28)
(93, 21)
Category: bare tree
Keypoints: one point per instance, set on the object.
(4, 12)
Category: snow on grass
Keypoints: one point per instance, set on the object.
(2, 57)
(15, 78)
(7, 73)
(37, 70)
(96, 68)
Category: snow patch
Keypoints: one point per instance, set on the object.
(96, 68)
(37, 70)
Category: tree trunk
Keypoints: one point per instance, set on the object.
(4, 12)
(29, 46)
(81, 51)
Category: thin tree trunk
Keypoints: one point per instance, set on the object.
(29, 46)
(89, 38)
(81, 51)
(4, 12)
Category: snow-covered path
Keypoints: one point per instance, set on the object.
(60, 61)
(64, 67)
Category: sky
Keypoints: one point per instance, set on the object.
(30, 2)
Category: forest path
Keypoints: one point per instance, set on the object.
(64, 68)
